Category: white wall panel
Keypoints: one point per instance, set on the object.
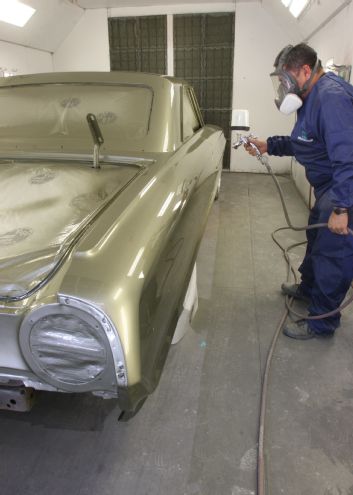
(335, 40)
(87, 46)
(258, 39)
(303, 186)
(24, 60)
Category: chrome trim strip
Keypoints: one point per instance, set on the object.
(78, 157)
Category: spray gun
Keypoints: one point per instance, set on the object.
(240, 122)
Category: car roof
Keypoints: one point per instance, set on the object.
(113, 77)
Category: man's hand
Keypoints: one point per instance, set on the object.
(261, 145)
(338, 224)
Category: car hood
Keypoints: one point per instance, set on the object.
(44, 207)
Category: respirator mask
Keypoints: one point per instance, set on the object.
(288, 94)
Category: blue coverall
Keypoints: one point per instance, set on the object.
(322, 141)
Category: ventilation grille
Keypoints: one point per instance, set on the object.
(138, 43)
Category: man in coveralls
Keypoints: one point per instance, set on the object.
(322, 141)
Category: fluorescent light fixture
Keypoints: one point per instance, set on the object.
(15, 12)
(297, 6)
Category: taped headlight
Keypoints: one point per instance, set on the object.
(68, 345)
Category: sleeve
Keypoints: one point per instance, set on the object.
(279, 146)
(336, 122)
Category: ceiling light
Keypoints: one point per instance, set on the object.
(286, 2)
(296, 7)
(15, 12)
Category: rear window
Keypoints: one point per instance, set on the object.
(54, 115)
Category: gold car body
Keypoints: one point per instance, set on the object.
(95, 260)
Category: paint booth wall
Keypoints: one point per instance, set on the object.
(258, 39)
(86, 48)
(335, 40)
(22, 60)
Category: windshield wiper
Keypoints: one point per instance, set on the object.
(97, 136)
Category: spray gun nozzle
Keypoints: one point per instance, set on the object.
(243, 140)
(237, 145)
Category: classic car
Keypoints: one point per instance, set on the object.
(107, 180)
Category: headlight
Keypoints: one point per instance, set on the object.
(73, 346)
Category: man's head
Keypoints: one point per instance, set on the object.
(302, 62)
(297, 68)
(299, 55)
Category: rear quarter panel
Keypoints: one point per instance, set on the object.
(138, 270)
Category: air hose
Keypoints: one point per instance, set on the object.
(261, 471)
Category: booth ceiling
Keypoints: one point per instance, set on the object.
(98, 4)
(55, 19)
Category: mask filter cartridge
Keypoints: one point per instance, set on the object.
(290, 103)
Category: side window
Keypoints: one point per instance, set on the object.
(191, 122)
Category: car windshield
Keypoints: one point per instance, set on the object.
(52, 117)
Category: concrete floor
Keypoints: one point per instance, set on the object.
(197, 434)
